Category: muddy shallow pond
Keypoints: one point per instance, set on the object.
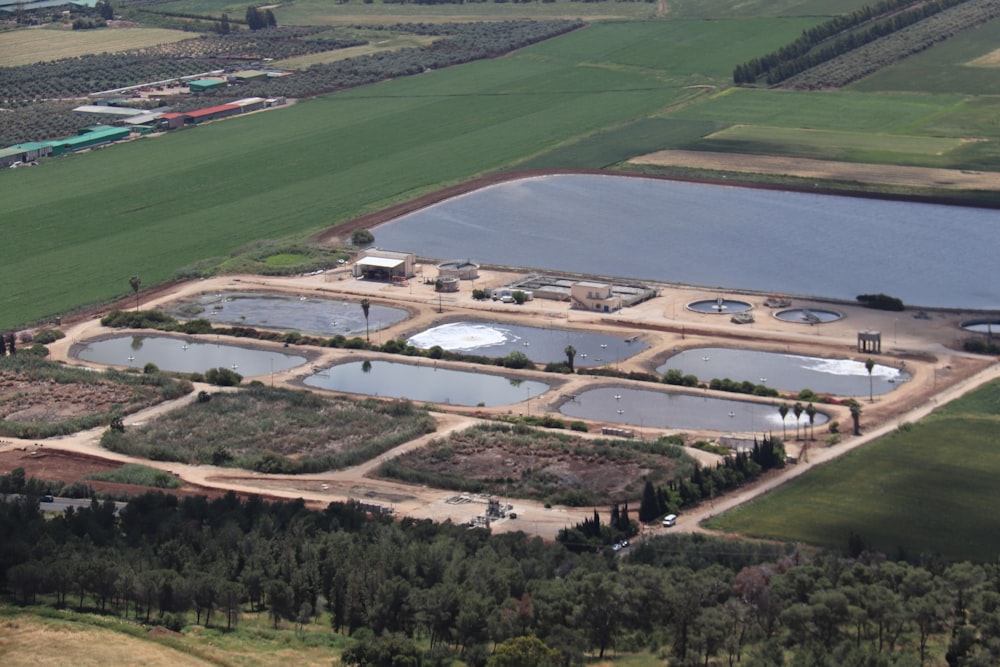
(288, 312)
(428, 384)
(787, 372)
(184, 355)
(541, 345)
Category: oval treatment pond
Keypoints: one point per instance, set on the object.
(287, 312)
(988, 327)
(787, 372)
(808, 316)
(428, 384)
(183, 355)
(645, 408)
(540, 345)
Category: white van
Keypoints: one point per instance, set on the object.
(669, 520)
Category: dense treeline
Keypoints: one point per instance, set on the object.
(814, 46)
(460, 592)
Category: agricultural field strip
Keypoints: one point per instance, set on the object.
(24, 47)
(377, 46)
(825, 169)
(836, 139)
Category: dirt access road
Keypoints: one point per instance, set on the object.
(927, 347)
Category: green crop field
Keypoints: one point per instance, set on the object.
(930, 487)
(322, 12)
(918, 119)
(75, 228)
(24, 47)
(958, 65)
(829, 145)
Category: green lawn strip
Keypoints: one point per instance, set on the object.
(827, 144)
(617, 145)
(139, 475)
(845, 111)
(926, 488)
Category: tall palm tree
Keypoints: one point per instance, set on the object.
(365, 305)
(869, 365)
(783, 411)
(135, 282)
(570, 355)
(855, 415)
(797, 409)
(811, 412)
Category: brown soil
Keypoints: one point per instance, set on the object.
(529, 469)
(23, 399)
(56, 465)
(887, 174)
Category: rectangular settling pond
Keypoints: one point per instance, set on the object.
(425, 384)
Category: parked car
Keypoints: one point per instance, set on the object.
(47, 498)
(670, 520)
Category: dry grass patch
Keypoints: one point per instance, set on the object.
(24, 47)
(377, 46)
(27, 641)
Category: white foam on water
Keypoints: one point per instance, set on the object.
(461, 336)
(846, 367)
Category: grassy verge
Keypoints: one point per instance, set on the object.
(139, 475)
(929, 487)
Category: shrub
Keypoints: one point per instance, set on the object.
(516, 359)
(197, 326)
(223, 377)
(150, 369)
(880, 302)
(362, 237)
(578, 426)
(47, 336)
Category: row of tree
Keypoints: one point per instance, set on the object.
(837, 36)
(705, 483)
(465, 593)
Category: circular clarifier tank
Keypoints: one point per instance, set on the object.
(984, 326)
(808, 315)
(719, 305)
